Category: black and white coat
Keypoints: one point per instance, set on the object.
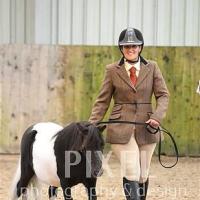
(43, 157)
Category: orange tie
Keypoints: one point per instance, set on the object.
(133, 76)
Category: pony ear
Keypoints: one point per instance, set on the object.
(82, 127)
(101, 127)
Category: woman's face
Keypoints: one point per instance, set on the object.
(131, 52)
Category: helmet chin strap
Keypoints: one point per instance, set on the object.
(132, 61)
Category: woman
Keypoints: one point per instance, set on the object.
(131, 82)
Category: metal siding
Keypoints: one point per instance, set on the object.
(164, 22)
(120, 17)
(54, 18)
(199, 26)
(191, 29)
(92, 25)
(20, 21)
(178, 23)
(12, 21)
(64, 22)
(29, 21)
(43, 21)
(149, 20)
(77, 22)
(4, 21)
(135, 14)
(99, 22)
(106, 22)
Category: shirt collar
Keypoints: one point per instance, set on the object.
(129, 65)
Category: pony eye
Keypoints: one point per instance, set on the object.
(101, 127)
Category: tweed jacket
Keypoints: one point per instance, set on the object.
(131, 103)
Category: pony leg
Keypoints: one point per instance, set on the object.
(66, 187)
(52, 192)
(24, 197)
(32, 190)
(23, 182)
(90, 185)
(67, 193)
(36, 188)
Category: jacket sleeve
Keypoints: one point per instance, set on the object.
(102, 102)
(161, 94)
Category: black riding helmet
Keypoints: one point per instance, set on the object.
(130, 36)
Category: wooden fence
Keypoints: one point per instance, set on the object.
(60, 84)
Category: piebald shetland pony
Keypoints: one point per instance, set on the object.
(58, 157)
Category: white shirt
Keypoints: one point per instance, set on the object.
(129, 65)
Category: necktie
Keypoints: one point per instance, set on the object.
(133, 76)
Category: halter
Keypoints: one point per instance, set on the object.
(151, 130)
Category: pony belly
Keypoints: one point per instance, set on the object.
(45, 167)
(44, 160)
(49, 181)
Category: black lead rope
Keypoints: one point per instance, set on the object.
(162, 129)
(152, 130)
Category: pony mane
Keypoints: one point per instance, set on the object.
(94, 138)
(80, 135)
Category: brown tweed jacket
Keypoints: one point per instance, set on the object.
(117, 85)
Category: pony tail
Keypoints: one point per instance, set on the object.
(13, 188)
(33, 188)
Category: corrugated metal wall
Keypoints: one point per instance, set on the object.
(17, 21)
(99, 22)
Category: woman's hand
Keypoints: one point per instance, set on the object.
(153, 123)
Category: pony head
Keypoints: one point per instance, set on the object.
(92, 146)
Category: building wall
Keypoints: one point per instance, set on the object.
(60, 84)
(99, 22)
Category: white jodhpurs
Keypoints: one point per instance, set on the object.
(135, 160)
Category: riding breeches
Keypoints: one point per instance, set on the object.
(135, 160)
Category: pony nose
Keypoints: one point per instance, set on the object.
(98, 172)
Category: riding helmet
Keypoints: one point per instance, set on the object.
(130, 36)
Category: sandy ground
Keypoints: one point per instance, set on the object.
(181, 182)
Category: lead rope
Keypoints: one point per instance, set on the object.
(152, 130)
(175, 147)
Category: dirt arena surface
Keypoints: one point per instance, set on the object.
(181, 182)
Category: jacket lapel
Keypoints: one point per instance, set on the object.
(144, 70)
(123, 75)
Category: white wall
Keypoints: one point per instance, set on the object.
(99, 22)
